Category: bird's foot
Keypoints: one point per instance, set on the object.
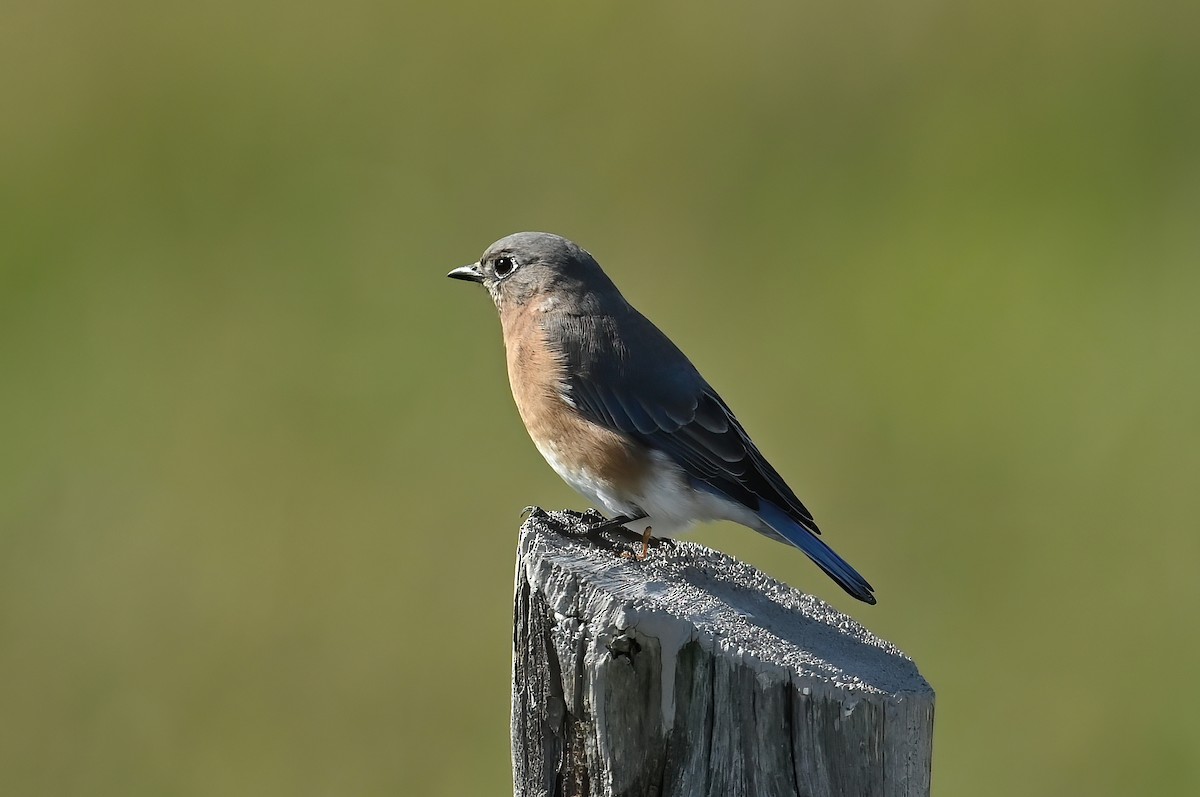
(533, 512)
(592, 516)
(645, 548)
(593, 526)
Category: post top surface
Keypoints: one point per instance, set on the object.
(687, 591)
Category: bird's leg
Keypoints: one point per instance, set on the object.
(645, 544)
(617, 522)
(645, 548)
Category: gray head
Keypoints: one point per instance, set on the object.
(529, 265)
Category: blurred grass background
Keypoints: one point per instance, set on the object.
(260, 471)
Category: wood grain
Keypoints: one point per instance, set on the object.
(691, 673)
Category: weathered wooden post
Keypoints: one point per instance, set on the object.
(693, 674)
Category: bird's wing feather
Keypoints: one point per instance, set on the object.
(672, 409)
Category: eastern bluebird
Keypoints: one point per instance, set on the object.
(622, 415)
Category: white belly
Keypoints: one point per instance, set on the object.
(665, 495)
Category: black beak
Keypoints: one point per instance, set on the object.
(469, 273)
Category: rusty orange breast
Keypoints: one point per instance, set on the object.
(537, 373)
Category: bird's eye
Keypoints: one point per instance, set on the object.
(504, 266)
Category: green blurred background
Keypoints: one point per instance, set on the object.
(260, 471)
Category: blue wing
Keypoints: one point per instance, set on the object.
(653, 393)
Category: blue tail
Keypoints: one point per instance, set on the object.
(834, 566)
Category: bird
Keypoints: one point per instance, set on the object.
(622, 415)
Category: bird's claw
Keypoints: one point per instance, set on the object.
(591, 516)
(531, 512)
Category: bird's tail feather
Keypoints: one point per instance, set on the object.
(834, 566)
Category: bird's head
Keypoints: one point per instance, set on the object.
(529, 266)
